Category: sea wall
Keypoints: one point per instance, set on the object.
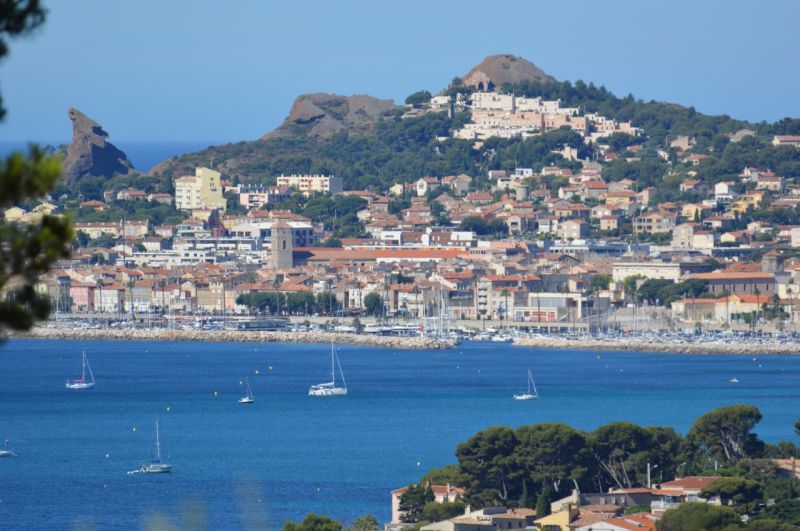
(234, 336)
(706, 347)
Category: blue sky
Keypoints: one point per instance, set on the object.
(228, 71)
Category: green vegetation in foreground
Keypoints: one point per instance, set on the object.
(535, 464)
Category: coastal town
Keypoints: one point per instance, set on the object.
(317, 266)
(557, 248)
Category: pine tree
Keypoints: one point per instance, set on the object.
(525, 501)
(543, 503)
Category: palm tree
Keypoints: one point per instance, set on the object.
(757, 292)
(725, 293)
(416, 291)
(365, 522)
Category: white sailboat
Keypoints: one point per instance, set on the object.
(532, 393)
(7, 452)
(81, 383)
(155, 466)
(249, 398)
(330, 388)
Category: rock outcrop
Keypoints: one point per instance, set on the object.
(496, 70)
(321, 114)
(89, 154)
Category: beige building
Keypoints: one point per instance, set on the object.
(201, 191)
(310, 184)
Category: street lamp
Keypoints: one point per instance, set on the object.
(649, 468)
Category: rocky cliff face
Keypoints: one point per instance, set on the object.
(496, 70)
(89, 154)
(320, 114)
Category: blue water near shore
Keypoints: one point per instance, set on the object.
(289, 454)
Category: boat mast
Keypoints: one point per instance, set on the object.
(333, 365)
(83, 366)
(341, 372)
(158, 446)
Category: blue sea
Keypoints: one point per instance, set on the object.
(143, 154)
(289, 454)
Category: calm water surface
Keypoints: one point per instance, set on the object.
(289, 454)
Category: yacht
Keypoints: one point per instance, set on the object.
(734, 380)
(330, 388)
(155, 466)
(247, 399)
(82, 383)
(532, 393)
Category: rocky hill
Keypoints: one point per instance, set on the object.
(498, 70)
(89, 154)
(320, 114)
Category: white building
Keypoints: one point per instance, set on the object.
(201, 191)
(309, 184)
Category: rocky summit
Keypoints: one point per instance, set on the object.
(497, 70)
(89, 153)
(321, 114)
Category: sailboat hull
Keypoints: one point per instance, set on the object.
(525, 397)
(246, 400)
(80, 385)
(156, 468)
(332, 391)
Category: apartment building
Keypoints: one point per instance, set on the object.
(310, 184)
(203, 190)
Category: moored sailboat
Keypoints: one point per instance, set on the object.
(532, 393)
(82, 383)
(247, 399)
(155, 466)
(330, 388)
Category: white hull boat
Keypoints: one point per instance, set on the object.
(532, 393)
(155, 466)
(330, 388)
(82, 383)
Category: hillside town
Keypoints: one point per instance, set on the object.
(554, 247)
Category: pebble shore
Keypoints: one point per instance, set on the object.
(231, 336)
(707, 347)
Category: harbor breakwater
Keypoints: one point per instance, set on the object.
(745, 348)
(236, 336)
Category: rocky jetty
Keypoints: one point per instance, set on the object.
(89, 154)
(496, 70)
(231, 336)
(321, 114)
(712, 347)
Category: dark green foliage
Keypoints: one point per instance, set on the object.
(413, 502)
(332, 242)
(599, 282)
(697, 517)
(488, 465)
(552, 455)
(27, 251)
(785, 511)
(436, 512)
(156, 213)
(725, 435)
(373, 304)
(483, 228)
(442, 476)
(735, 490)
(543, 503)
(326, 303)
(666, 292)
(419, 98)
(313, 522)
(365, 522)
